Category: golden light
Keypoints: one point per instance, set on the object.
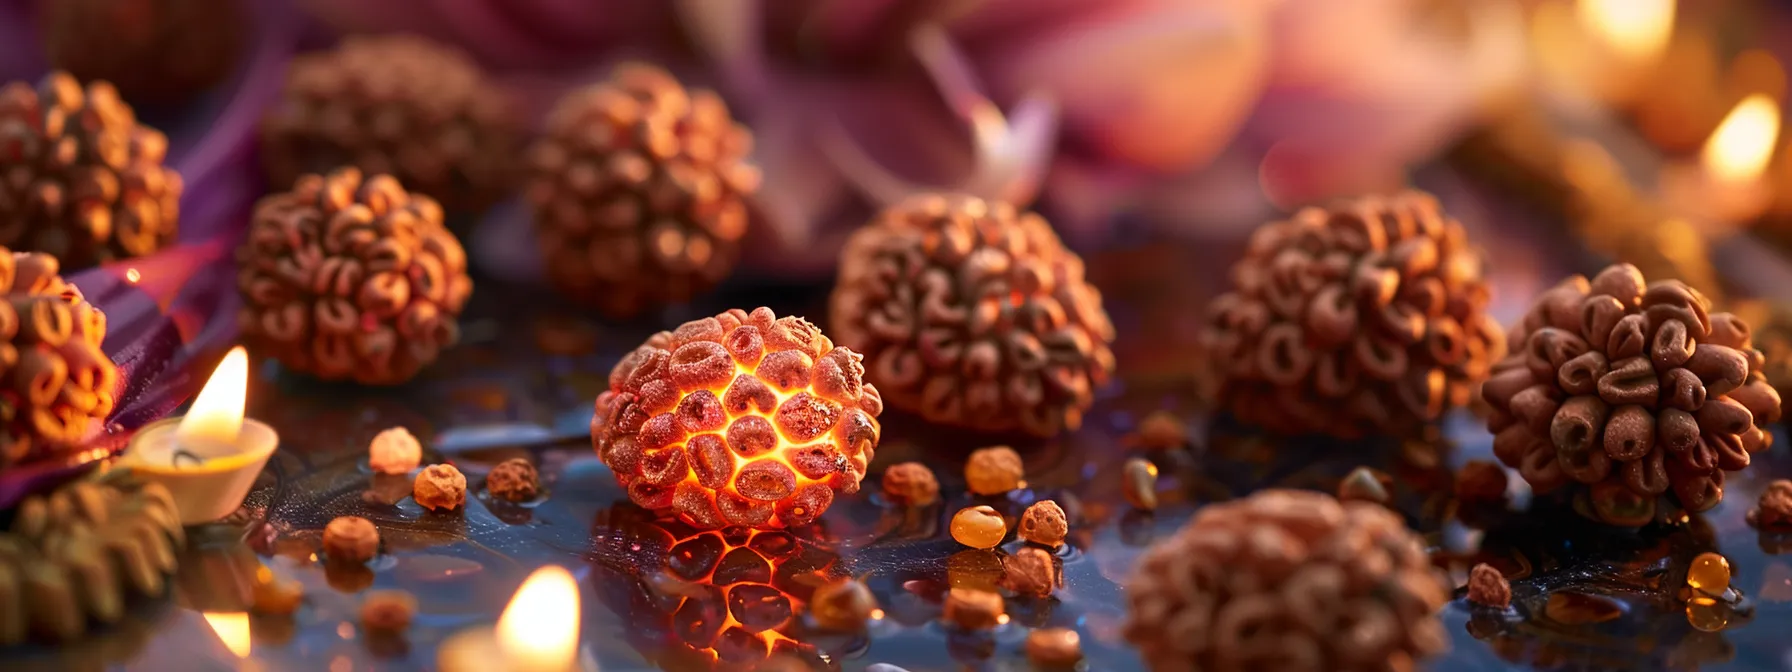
(132, 275)
(539, 631)
(232, 628)
(217, 413)
(1741, 147)
(1636, 29)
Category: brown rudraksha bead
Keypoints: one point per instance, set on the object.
(514, 480)
(1285, 580)
(344, 278)
(78, 557)
(1773, 512)
(55, 382)
(84, 181)
(153, 50)
(1368, 318)
(639, 191)
(1628, 392)
(1488, 587)
(738, 419)
(398, 105)
(974, 314)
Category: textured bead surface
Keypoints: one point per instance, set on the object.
(1294, 568)
(1367, 318)
(84, 181)
(351, 278)
(738, 419)
(974, 314)
(56, 384)
(1625, 392)
(639, 191)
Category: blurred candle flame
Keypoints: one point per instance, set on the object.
(232, 628)
(1741, 147)
(1637, 29)
(539, 630)
(217, 413)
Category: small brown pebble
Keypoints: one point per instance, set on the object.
(388, 611)
(1032, 571)
(513, 480)
(994, 471)
(1774, 510)
(979, 527)
(843, 605)
(911, 483)
(275, 596)
(1139, 484)
(1043, 523)
(1363, 485)
(973, 609)
(1481, 481)
(394, 451)
(1054, 648)
(1488, 587)
(351, 540)
(1160, 431)
(440, 486)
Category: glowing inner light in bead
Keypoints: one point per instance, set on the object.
(1709, 574)
(232, 628)
(1638, 29)
(1741, 147)
(539, 630)
(217, 413)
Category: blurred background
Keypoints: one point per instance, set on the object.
(1117, 118)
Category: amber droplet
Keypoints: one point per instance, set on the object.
(1363, 485)
(1709, 575)
(979, 527)
(1140, 484)
(1706, 614)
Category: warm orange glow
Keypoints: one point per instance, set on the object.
(217, 413)
(1637, 29)
(768, 638)
(1740, 148)
(539, 631)
(131, 275)
(232, 628)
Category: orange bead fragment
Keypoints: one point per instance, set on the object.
(979, 527)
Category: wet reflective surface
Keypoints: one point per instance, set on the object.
(658, 595)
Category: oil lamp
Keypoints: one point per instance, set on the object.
(208, 458)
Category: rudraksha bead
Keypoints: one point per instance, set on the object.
(344, 278)
(1629, 391)
(1368, 318)
(974, 314)
(399, 105)
(82, 179)
(1287, 580)
(153, 50)
(57, 383)
(738, 419)
(78, 557)
(639, 191)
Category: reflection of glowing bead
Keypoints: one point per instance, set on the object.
(1706, 614)
(1709, 574)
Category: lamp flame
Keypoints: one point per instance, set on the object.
(1637, 29)
(1741, 147)
(217, 413)
(232, 628)
(539, 631)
